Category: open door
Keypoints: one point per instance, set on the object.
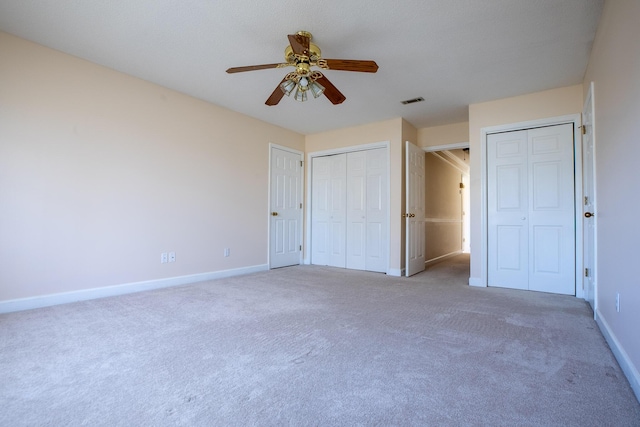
(285, 223)
(414, 213)
(589, 202)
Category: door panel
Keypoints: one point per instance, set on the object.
(356, 209)
(414, 215)
(377, 215)
(552, 213)
(286, 199)
(328, 216)
(321, 211)
(589, 202)
(507, 210)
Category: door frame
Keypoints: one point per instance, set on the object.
(306, 259)
(576, 120)
(268, 213)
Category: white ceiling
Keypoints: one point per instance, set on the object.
(451, 52)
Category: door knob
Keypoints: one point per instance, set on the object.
(274, 213)
(588, 214)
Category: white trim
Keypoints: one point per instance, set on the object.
(396, 272)
(446, 157)
(349, 149)
(455, 146)
(621, 356)
(456, 221)
(116, 290)
(477, 282)
(441, 258)
(574, 119)
(301, 155)
(341, 150)
(462, 165)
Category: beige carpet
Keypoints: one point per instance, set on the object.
(308, 345)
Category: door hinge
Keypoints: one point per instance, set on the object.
(301, 162)
(300, 205)
(584, 129)
(586, 200)
(586, 272)
(300, 247)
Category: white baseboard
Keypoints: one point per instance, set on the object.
(621, 355)
(476, 281)
(127, 288)
(396, 272)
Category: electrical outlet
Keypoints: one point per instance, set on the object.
(163, 257)
(172, 257)
(227, 252)
(618, 302)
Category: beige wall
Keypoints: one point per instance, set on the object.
(443, 208)
(442, 135)
(386, 131)
(534, 106)
(100, 172)
(614, 67)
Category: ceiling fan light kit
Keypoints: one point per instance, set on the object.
(302, 54)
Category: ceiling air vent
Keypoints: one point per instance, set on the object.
(411, 101)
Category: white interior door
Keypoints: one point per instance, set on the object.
(328, 210)
(530, 209)
(285, 226)
(589, 202)
(414, 215)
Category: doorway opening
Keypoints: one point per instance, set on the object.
(447, 223)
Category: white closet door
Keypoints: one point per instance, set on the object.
(530, 210)
(328, 212)
(356, 210)
(367, 200)
(507, 210)
(350, 210)
(551, 210)
(377, 211)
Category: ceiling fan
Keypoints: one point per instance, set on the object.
(302, 54)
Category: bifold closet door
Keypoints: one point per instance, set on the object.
(367, 198)
(530, 209)
(349, 210)
(328, 210)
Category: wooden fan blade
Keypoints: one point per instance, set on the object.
(251, 68)
(299, 44)
(352, 65)
(330, 91)
(277, 95)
